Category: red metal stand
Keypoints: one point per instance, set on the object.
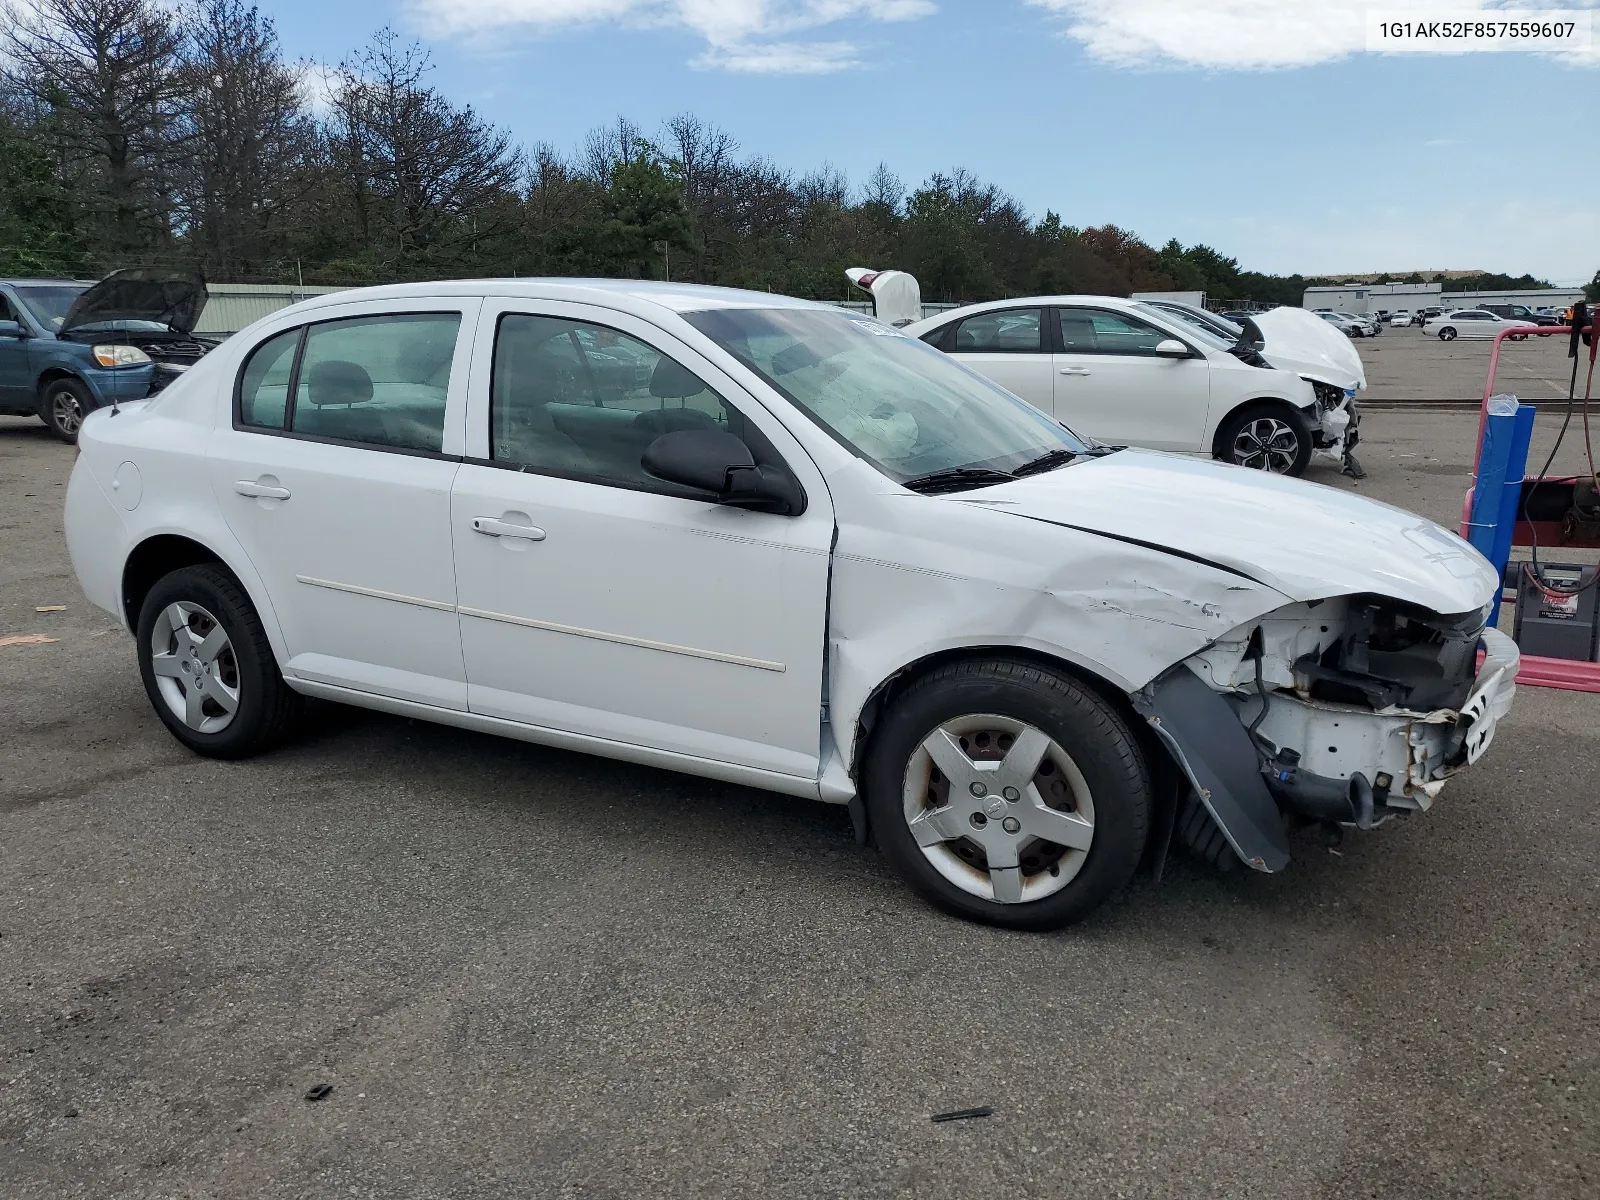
(1569, 674)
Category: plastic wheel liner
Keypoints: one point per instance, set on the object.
(1216, 753)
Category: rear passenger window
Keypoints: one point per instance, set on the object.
(264, 385)
(1011, 331)
(380, 381)
(581, 400)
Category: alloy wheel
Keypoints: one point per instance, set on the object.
(1267, 444)
(66, 412)
(195, 667)
(998, 808)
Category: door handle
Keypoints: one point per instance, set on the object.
(494, 527)
(1074, 371)
(248, 487)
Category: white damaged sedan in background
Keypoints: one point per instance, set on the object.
(774, 543)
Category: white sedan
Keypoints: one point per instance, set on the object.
(1370, 326)
(771, 542)
(1130, 374)
(1470, 323)
(1399, 320)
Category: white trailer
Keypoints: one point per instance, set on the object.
(1192, 299)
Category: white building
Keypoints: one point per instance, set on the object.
(1409, 297)
(1531, 298)
(1375, 297)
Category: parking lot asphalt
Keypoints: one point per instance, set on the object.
(532, 973)
(1407, 364)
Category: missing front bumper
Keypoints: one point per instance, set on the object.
(1416, 751)
(1319, 760)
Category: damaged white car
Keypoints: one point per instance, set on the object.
(1130, 373)
(775, 543)
(1292, 339)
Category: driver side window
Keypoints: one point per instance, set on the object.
(583, 401)
(1100, 331)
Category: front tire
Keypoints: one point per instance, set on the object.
(1266, 437)
(208, 667)
(1007, 793)
(1447, 334)
(63, 405)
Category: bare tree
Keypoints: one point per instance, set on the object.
(250, 139)
(607, 147)
(108, 74)
(424, 175)
(703, 157)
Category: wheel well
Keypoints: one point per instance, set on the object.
(1261, 402)
(150, 561)
(53, 374)
(1165, 775)
(885, 692)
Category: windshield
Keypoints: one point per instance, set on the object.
(49, 305)
(1211, 330)
(900, 404)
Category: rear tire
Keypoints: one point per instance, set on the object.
(208, 667)
(1090, 781)
(63, 405)
(1447, 334)
(1258, 436)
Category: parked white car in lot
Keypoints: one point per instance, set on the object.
(1370, 326)
(771, 542)
(1470, 323)
(1399, 320)
(1348, 326)
(1128, 374)
(1294, 340)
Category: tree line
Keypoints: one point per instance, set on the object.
(135, 132)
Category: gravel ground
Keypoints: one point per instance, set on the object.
(531, 973)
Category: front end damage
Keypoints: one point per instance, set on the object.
(1337, 430)
(1350, 711)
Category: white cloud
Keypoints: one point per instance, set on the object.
(748, 36)
(1238, 34)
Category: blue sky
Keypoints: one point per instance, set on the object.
(1260, 127)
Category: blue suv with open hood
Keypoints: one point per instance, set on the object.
(68, 347)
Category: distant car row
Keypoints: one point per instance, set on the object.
(1485, 321)
(1350, 324)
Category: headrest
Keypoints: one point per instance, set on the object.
(339, 382)
(670, 420)
(673, 381)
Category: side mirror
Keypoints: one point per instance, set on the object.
(1172, 348)
(12, 329)
(710, 460)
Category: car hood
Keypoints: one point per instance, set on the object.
(1304, 343)
(1308, 541)
(171, 298)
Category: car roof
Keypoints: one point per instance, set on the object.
(48, 282)
(677, 297)
(967, 310)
